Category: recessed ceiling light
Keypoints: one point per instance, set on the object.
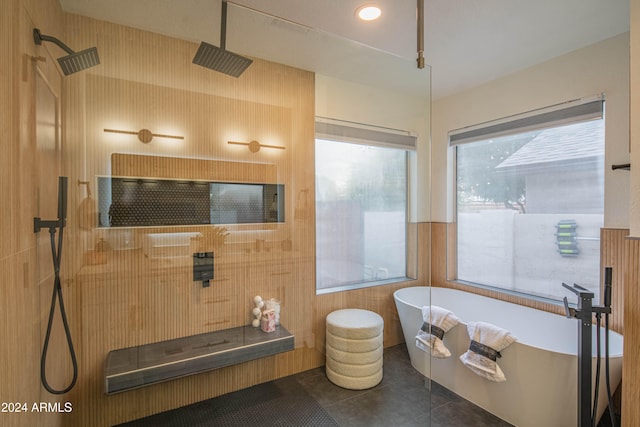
(368, 12)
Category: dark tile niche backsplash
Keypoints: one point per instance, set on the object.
(131, 202)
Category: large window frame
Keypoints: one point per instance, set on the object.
(567, 115)
(395, 144)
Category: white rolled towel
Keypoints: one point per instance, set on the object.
(487, 341)
(436, 322)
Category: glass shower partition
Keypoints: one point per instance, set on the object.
(150, 122)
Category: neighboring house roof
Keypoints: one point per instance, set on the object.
(578, 141)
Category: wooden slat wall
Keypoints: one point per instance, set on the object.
(180, 168)
(29, 79)
(127, 307)
(630, 365)
(147, 81)
(443, 254)
(613, 253)
(133, 299)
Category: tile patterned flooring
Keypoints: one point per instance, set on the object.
(402, 399)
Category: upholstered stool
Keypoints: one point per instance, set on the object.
(354, 348)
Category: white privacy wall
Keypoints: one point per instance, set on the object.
(601, 67)
(519, 252)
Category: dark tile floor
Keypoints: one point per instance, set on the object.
(402, 399)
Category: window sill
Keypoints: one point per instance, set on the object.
(355, 286)
(508, 293)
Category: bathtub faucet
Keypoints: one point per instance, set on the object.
(585, 307)
(584, 313)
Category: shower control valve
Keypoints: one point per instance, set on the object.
(52, 225)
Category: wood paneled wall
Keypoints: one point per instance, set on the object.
(630, 365)
(124, 297)
(136, 298)
(135, 165)
(30, 86)
(130, 299)
(614, 253)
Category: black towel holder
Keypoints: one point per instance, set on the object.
(623, 166)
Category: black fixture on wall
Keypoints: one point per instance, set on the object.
(203, 268)
(74, 61)
(623, 166)
(56, 226)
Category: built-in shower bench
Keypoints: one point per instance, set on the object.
(135, 367)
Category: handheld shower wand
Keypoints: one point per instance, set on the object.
(607, 303)
(53, 226)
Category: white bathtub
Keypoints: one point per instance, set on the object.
(541, 367)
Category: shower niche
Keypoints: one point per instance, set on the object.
(140, 202)
(158, 191)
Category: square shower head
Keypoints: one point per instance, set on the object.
(218, 59)
(79, 61)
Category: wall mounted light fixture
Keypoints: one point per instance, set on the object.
(255, 146)
(144, 135)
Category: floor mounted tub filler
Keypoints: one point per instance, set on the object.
(541, 367)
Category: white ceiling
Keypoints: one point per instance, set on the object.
(467, 42)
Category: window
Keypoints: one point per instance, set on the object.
(361, 206)
(530, 200)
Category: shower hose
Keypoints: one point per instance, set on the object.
(57, 294)
(606, 362)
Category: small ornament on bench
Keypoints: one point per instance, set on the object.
(268, 321)
(257, 311)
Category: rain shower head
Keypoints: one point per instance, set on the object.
(218, 58)
(79, 61)
(74, 61)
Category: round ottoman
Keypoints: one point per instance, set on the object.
(354, 348)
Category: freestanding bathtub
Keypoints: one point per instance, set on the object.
(541, 366)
